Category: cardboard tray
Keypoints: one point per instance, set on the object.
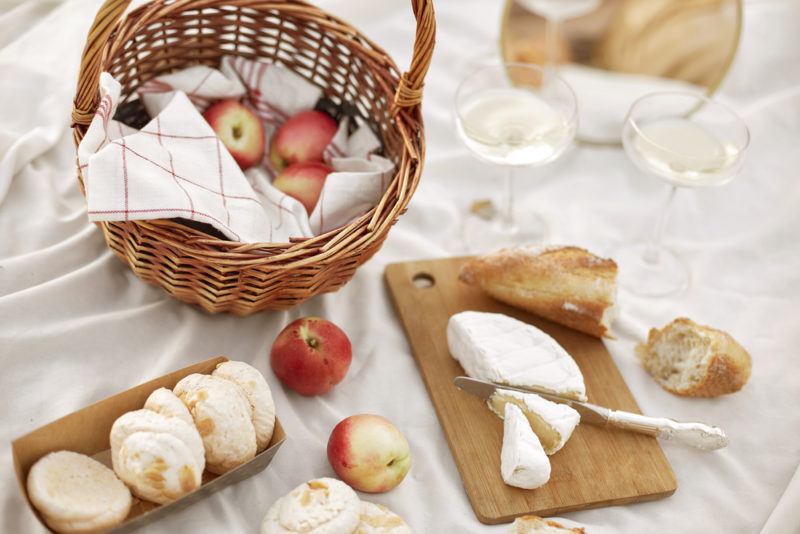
(86, 431)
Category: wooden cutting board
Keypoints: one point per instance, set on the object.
(597, 467)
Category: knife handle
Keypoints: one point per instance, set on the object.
(698, 435)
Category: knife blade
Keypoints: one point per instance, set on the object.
(693, 434)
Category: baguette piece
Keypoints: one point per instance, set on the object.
(693, 360)
(531, 524)
(568, 285)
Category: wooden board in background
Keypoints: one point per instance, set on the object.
(597, 467)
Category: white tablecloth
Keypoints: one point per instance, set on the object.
(77, 326)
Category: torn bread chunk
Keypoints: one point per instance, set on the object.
(692, 360)
(498, 348)
(523, 462)
(553, 423)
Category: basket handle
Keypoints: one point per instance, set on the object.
(408, 94)
(85, 103)
(409, 89)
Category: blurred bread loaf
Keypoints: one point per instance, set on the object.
(568, 285)
(693, 360)
(690, 40)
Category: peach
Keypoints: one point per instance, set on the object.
(303, 181)
(239, 129)
(369, 453)
(311, 355)
(302, 138)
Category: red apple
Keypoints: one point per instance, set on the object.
(239, 129)
(369, 453)
(311, 355)
(303, 181)
(302, 138)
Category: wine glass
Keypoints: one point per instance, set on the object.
(688, 140)
(555, 12)
(510, 114)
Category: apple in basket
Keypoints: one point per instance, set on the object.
(369, 453)
(302, 138)
(303, 181)
(311, 355)
(239, 129)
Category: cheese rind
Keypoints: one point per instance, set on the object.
(523, 462)
(552, 423)
(504, 350)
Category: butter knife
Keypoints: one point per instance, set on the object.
(698, 435)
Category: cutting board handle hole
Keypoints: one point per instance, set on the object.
(423, 281)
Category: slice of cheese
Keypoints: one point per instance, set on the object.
(501, 349)
(552, 423)
(523, 462)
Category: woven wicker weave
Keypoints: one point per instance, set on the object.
(166, 35)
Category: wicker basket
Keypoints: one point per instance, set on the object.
(166, 35)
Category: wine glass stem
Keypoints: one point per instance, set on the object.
(552, 29)
(507, 213)
(651, 253)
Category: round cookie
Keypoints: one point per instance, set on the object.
(224, 418)
(166, 403)
(75, 493)
(321, 506)
(158, 467)
(377, 519)
(150, 421)
(258, 394)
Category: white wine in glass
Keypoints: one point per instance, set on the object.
(510, 114)
(683, 152)
(511, 126)
(686, 140)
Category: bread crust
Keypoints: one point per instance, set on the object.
(565, 284)
(728, 369)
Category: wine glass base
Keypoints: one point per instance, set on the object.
(642, 276)
(483, 235)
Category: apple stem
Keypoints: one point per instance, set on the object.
(313, 343)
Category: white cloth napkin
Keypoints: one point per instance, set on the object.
(176, 166)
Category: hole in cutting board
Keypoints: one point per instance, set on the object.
(423, 280)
